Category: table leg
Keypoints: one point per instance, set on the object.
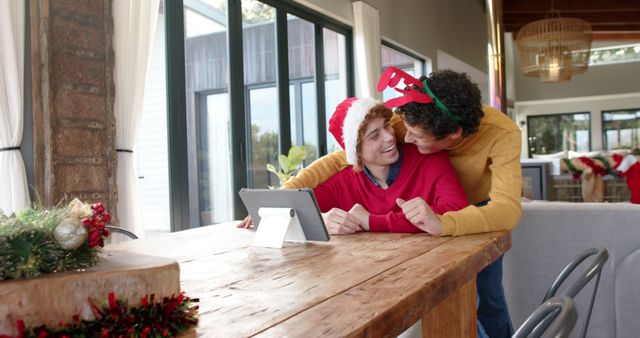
(455, 316)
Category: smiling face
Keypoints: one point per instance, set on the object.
(378, 144)
(428, 144)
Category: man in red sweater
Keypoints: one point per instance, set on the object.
(368, 194)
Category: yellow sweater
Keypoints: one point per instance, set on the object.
(487, 164)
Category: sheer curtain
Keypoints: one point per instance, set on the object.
(134, 24)
(366, 40)
(14, 193)
(220, 170)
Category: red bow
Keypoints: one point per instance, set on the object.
(391, 77)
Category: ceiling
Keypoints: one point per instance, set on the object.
(610, 19)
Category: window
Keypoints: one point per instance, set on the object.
(336, 77)
(400, 58)
(262, 102)
(621, 129)
(263, 112)
(303, 112)
(250, 79)
(550, 134)
(615, 54)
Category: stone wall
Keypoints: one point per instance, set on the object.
(73, 98)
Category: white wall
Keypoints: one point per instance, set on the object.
(341, 10)
(446, 61)
(456, 27)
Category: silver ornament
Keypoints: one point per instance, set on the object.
(70, 233)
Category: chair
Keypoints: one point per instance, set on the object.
(594, 270)
(121, 230)
(558, 313)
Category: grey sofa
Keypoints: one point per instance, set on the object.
(550, 234)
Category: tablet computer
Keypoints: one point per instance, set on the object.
(303, 201)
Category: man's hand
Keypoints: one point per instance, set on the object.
(246, 223)
(362, 214)
(340, 222)
(420, 214)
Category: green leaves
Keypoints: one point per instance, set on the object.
(285, 165)
(296, 156)
(29, 249)
(288, 164)
(282, 176)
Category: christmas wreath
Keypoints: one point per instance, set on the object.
(167, 318)
(37, 241)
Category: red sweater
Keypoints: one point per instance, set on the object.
(429, 176)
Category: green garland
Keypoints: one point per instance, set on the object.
(167, 318)
(29, 248)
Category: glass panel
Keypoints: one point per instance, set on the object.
(621, 129)
(310, 118)
(614, 54)
(152, 149)
(335, 74)
(294, 119)
(259, 48)
(263, 105)
(205, 19)
(208, 115)
(550, 134)
(214, 159)
(392, 57)
(301, 71)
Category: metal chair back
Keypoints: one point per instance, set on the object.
(121, 230)
(593, 271)
(558, 314)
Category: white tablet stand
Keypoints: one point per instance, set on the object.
(276, 226)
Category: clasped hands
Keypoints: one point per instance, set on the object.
(341, 222)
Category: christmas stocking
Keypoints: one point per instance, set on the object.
(630, 169)
(592, 186)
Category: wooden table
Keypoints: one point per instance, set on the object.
(367, 284)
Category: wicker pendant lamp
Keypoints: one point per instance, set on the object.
(555, 48)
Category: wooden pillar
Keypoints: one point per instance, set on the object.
(73, 100)
(497, 78)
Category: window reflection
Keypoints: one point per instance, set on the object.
(391, 57)
(621, 129)
(263, 109)
(260, 66)
(550, 134)
(301, 72)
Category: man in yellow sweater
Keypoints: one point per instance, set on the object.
(484, 148)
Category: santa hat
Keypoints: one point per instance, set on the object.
(629, 168)
(345, 122)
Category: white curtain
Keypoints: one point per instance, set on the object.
(14, 194)
(220, 170)
(134, 24)
(366, 33)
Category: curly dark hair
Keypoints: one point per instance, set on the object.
(457, 92)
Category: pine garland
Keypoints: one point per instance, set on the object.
(170, 317)
(29, 247)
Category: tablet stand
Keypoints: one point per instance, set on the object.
(276, 226)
